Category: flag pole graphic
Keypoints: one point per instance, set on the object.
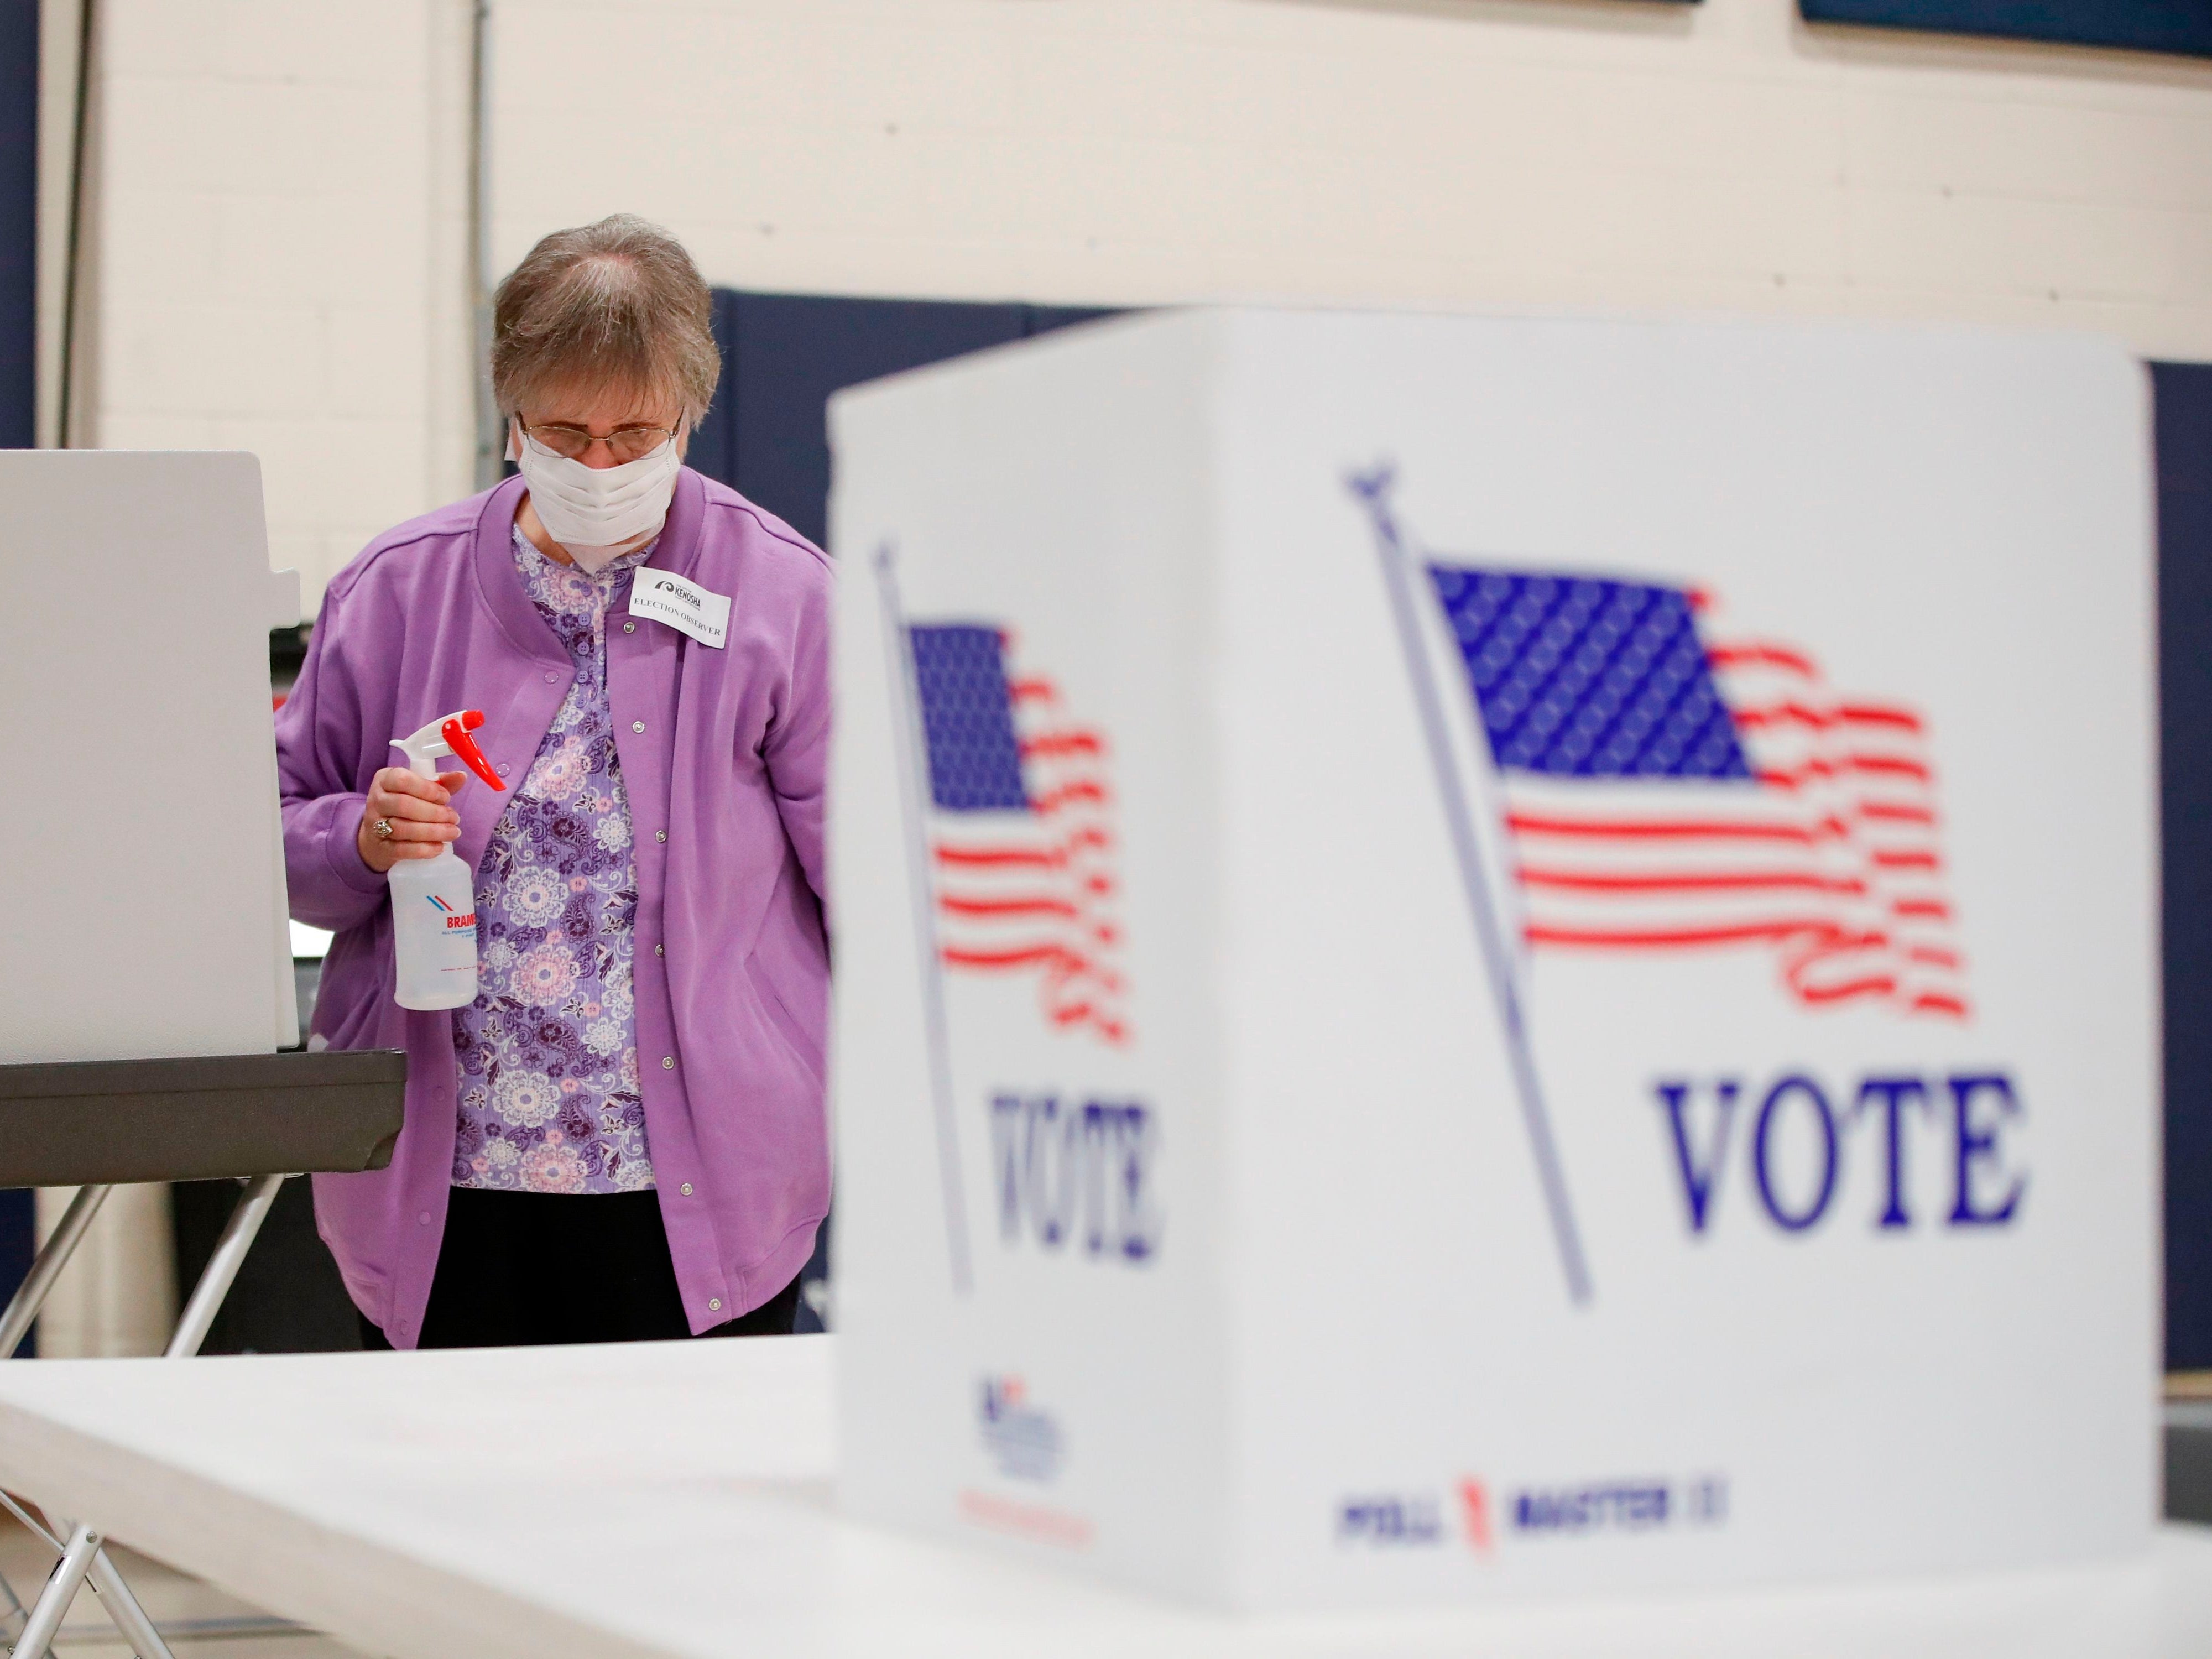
(910, 742)
(1401, 579)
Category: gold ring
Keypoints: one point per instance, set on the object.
(381, 828)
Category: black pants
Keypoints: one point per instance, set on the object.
(519, 1269)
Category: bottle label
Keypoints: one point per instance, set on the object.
(455, 920)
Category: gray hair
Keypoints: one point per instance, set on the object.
(617, 302)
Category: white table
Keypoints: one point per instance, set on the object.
(675, 1499)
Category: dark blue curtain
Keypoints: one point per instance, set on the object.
(2184, 406)
(784, 354)
(19, 219)
(19, 336)
(2174, 26)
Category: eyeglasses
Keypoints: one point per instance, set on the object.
(624, 443)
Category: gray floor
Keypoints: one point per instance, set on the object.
(199, 1621)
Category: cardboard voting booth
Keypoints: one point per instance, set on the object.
(145, 895)
(1497, 957)
(149, 905)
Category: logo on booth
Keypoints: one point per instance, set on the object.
(1024, 1442)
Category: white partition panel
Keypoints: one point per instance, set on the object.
(143, 885)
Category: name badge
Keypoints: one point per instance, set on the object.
(666, 597)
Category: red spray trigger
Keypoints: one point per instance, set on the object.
(455, 732)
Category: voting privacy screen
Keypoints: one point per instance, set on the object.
(1484, 957)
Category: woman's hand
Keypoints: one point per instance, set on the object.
(417, 811)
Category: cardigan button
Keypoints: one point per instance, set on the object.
(637, 725)
(630, 627)
(550, 678)
(660, 835)
(687, 1189)
(714, 1305)
(668, 1062)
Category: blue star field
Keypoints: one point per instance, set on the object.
(967, 718)
(1582, 676)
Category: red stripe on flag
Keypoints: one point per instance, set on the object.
(1662, 939)
(1888, 861)
(1006, 907)
(1874, 714)
(1054, 743)
(1819, 719)
(1927, 910)
(1878, 985)
(1890, 811)
(1693, 881)
(1757, 655)
(1070, 794)
(1674, 829)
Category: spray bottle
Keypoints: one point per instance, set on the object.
(434, 907)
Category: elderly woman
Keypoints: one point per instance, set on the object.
(624, 1137)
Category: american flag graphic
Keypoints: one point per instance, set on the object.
(1020, 833)
(1666, 791)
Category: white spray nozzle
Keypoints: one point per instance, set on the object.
(448, 735)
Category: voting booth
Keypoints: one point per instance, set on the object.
(1497, 957)
(144, 892)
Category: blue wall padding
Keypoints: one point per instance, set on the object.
(18, 1234)
(784, 354)
(19, 345)
(2183, 407)
(18, 220)
(2173, 26)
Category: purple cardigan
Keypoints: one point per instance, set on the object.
(724, 754)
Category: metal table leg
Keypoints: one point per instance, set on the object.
(83, 1555)
(30, 1296)
(238, 1235)
(54, 1603)
(53, 1255)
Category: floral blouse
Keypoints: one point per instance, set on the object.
(549, 1101)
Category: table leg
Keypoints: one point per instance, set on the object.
(23, 1306)
(238, 1235)
(31, 1295)
(84, 1555)
(123, 1608)
(54, 1603)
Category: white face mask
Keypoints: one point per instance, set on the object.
(600, 513)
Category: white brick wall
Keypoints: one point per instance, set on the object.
(1374, 152)
(280, 258)
(278, 252)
